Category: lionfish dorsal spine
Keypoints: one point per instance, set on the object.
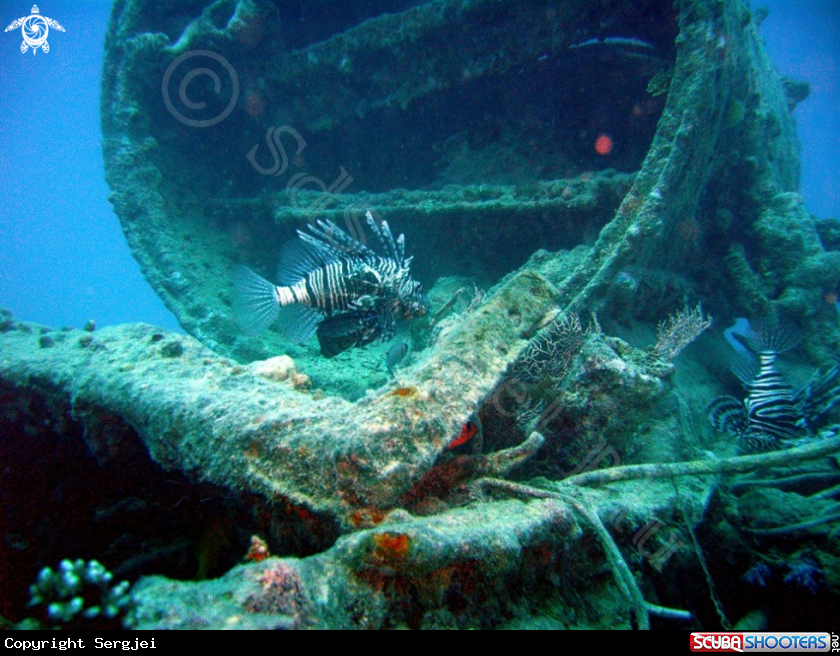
(333, 241)
(401, 248)
(384, 237)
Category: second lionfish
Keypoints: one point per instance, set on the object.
(332, 285)
(772, 414)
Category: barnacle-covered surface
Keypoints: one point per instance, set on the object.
(276, 460)
(205, 415)
(116, 392)
(454, 570)
(478, 146)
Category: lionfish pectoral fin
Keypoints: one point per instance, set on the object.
(728, 415)
(255, 305)
(343, 331)
(387, 326)
(756, 441)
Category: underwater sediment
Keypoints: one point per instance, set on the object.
(384, 496)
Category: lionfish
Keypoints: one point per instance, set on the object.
(332, 284)
(772, 414)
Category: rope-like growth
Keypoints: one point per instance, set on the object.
(564, 492)
(793, 528)
(737, 464)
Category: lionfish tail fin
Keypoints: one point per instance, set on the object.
(773, 336)
(255, 305)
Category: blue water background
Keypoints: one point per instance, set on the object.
(63, 257)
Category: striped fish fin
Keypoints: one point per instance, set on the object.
(255, 305)
(745, 370)
(333, 242)
(755, 441)
(387, 326)
(820, 395)
(727, 414)
(343, 331)
(297, 323)
(298, 259)
(773, 337)
(395, 251)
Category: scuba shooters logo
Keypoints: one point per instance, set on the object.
(717, 642)
(760, 642)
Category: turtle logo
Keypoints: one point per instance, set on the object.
(35, 29)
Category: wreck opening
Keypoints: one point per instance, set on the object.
(388, 99)
(525, 101)
(483, 131)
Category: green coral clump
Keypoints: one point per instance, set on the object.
(69, 592)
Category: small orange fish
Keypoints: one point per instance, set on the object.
(468, 431)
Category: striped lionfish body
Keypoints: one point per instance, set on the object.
(335, 286)
(772, 414)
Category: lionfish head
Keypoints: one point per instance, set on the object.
(411, 298)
